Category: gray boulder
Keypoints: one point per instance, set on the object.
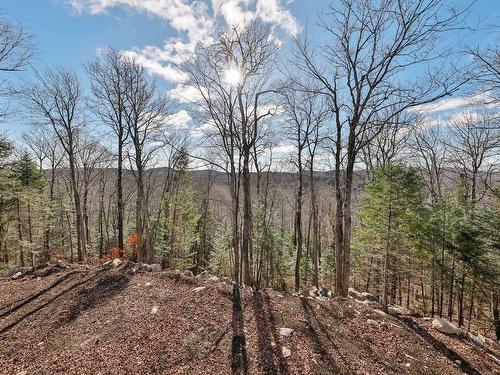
(155, 267)
(370, 297)
(445, 326)
(476, 340)
(402, 310)
(356, 295)
(203, 275)
(17, 276)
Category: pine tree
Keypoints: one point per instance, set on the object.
(388, 237)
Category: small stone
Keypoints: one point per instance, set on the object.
(148, 285)
(154, 310)
(458, 362)
(155, 267)
(23, 372)
(286, 352)
(287, 332)
(17, 276)
(199, 289)
(117, 262)
(371, 322)
(408, 364)
(188, 273)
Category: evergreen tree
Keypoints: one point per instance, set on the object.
(389, 234)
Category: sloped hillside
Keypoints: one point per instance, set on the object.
(125, 320)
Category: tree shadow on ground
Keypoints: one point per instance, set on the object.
(439, 346)
(315, 337)
(271, 358)
(239, 361)
(104, 288)
(48, 302)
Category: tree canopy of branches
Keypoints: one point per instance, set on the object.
(369, 46)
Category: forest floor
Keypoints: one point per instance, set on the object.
(123, 321)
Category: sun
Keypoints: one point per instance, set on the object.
(232, 76)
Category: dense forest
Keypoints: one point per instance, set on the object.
(312, 163)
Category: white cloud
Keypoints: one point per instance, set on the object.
(180, 119)
(154, 66)
(191, 18)
(283, 149)
(235, 12)
(195, 22)
(202, 131)
(184, 94)
(453, 104)
(272, 11)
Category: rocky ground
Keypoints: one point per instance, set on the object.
(125, 320)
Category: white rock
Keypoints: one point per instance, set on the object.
(117, 262)
(287, 332)
(371, 322)
(380, 312)
(199, 289)
(154, 310)
(458, 362)
(476, 340)
(148, 285)
(445, 327)
(17, 276)
(286, 352)
(408, 364)
(356, 295)
(401, 310)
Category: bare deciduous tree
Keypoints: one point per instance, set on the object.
(145, 114)
(108, 86)
(369, 46)
(55, 99)
(16, 49)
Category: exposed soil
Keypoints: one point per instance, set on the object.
(98, 321)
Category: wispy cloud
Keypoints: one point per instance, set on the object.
(195, 22)
(180, 119)
(453, 104)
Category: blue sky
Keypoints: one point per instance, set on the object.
(70, 32)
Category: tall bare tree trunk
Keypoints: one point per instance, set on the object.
(298, 239)
(247, 219)
(119, 194)
(315, 227)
